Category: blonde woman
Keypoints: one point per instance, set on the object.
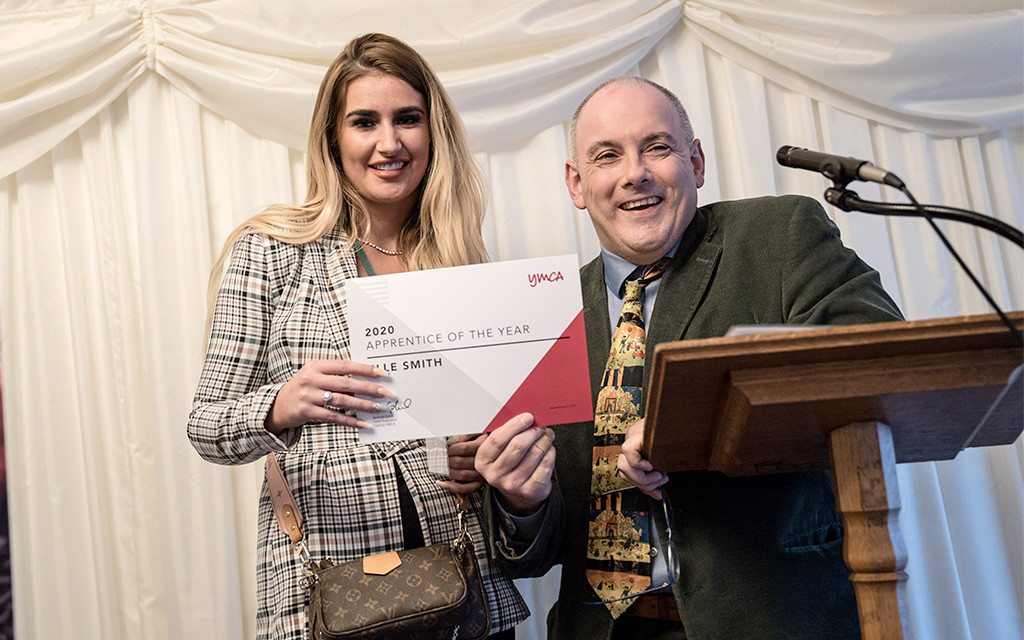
(392, 187)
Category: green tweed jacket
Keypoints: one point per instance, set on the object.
(761, 556)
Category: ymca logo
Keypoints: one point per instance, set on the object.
(537, 278)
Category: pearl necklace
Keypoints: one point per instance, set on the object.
(381, 249)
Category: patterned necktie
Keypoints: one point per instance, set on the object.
(618, 550)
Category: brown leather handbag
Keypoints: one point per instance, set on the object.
(429, 592)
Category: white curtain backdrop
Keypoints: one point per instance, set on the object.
(135, 135)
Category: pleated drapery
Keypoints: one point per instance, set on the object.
(135, 135)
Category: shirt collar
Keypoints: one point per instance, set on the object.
(617, 270)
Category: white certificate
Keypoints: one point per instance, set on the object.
(467, 348)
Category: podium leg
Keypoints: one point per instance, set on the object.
(867, 497)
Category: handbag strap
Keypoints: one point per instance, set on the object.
(286, 510)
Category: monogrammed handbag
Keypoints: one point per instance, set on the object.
(428, 592)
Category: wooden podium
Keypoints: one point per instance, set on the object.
(856, 399)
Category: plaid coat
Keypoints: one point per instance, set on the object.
(279, 306)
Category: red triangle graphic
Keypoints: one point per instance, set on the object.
(557, 391)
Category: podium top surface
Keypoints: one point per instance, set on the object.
(765, 403)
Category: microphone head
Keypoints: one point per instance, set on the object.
(783, 154)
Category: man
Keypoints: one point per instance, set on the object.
(758, 557)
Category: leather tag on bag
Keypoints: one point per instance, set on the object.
(381, 564)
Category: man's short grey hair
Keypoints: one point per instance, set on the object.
(684, 120)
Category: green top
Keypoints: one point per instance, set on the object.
(362, 258)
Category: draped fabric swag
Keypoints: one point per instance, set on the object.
(135, 135)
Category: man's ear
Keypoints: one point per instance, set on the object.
(697, 160)
(572, 181)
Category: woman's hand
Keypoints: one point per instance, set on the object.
(461, 454)
(323, 391)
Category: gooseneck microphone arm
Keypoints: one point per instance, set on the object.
(843, 170)
(849, 201)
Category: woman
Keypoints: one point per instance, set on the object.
(392, 187)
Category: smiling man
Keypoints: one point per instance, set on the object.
(636, 169)
(749, 558)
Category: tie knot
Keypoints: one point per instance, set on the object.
(647, 276)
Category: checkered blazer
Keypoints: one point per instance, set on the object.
(279, 306)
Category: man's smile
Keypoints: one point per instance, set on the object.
(643, 203)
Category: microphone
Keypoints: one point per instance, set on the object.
(836, 168)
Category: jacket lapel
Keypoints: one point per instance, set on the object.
(595, 317)
(334, 266)
(683, 286)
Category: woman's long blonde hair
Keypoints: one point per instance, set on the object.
(446, 229)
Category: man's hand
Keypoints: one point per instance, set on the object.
(633, 467)
(517, 459)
